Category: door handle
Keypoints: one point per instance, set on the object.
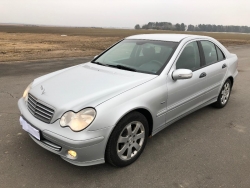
(203, 75)
(224, 66)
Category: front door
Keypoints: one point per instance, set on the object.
(185, 95)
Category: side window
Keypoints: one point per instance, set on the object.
(209, 52)
(189, 58)
(221, 56)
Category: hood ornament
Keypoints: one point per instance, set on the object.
(43, 89)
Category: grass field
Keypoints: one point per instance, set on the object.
(28, 43)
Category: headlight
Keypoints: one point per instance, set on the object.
(78, 121)
(25, 94)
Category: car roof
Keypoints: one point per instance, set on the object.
(163, 37)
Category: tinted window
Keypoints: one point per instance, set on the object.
(209, 52)
(189, 58)
(141, 55)
(220, 54)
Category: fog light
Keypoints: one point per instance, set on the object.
(72, 154)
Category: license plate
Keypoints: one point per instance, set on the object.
(28, 128)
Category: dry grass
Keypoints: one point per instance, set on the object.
(27, 43)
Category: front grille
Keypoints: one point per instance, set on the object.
(39, 110)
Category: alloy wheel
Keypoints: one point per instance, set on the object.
(130, 140)
(225, 93)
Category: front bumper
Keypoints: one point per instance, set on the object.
(89, 145)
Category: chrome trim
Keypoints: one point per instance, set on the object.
(43, 111)
(42, 115)
(162, 112)
(32, 104)
(44, 108)
(182, 102)
(39, 110)
(166, 124)
(51, 145)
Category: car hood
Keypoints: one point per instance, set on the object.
(85, 85)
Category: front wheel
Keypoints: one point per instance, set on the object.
(224, 95)
(127, 140)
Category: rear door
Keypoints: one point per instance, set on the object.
(215, 66)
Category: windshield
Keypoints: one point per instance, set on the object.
(138, 55)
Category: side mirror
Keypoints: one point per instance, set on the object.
(182, 74)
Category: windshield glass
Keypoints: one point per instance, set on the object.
(138, 55)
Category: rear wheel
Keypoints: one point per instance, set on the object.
(127, 140)
(224, 95)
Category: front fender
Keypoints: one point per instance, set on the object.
(147, 96)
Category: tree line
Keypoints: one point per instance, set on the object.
(200, 27)
(162, 26)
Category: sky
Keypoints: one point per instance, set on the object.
(124, 13)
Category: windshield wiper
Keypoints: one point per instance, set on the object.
(123, 67)
(98, 63)
(116, 66)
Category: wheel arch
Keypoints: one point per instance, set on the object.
(232, 80)
(149, 118)
(144, 112)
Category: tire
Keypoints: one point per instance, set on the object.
(224, 95)
(128, 140)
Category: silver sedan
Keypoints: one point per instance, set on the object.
(105, 110)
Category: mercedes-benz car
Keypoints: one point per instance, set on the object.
(105, 110)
